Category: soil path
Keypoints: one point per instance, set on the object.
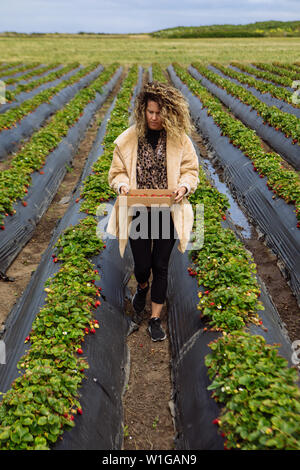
(148, 423)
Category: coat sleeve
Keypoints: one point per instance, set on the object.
(189, 169)
(117, 175)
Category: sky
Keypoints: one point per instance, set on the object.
(137, 16)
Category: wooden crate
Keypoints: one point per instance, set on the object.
(147, 197)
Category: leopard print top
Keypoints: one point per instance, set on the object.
(151, 166)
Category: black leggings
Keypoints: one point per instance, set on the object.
(153, 252)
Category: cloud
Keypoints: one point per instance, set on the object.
(120, 16)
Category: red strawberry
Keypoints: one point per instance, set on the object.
(24, 203)
(42, 172)
(79, 411)
(77, 200)
(224, 217)
(216, 421)
(79, 351)
(2, 227)
(97, 303)
(93, 330)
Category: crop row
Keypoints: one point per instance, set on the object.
(283, 182)
(254, 384)
(288, 66)
(287, 123)
(20, 68)
(15, 180)
(264, 74)
(32, 73)
(12, 116)
(11, 94)
(6, 66)
(293, 75)
(277, 92)
(157, 72)
(42, 402)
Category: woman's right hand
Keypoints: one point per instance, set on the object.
(123, 190)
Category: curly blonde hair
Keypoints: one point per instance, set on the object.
(174, 109)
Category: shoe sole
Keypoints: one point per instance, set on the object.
(155, 340)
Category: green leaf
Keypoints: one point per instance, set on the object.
(42, 421)
(4, 435)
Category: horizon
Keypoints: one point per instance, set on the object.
(150, 32)
(136, 16)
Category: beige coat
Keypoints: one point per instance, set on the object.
(182, 169)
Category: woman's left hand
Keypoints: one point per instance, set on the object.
(180, 192)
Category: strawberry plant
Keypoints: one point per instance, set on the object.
(11, 117)
(272, 77)
(7, 67)
(262, 402)
(11, 94)
(287, 123)
(42, 402)
(285, 182)
(96, 187)
(158, 73)
(278, 92)
(15, 180)
(19, 68)
(273, 68)
(253, 383)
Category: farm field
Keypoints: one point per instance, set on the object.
(130, 49)
(75, 360)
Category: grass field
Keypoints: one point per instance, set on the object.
(144, 49)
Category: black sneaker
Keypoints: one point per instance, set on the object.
(139, 298)
(156, 331)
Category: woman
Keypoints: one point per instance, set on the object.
(155, 152)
